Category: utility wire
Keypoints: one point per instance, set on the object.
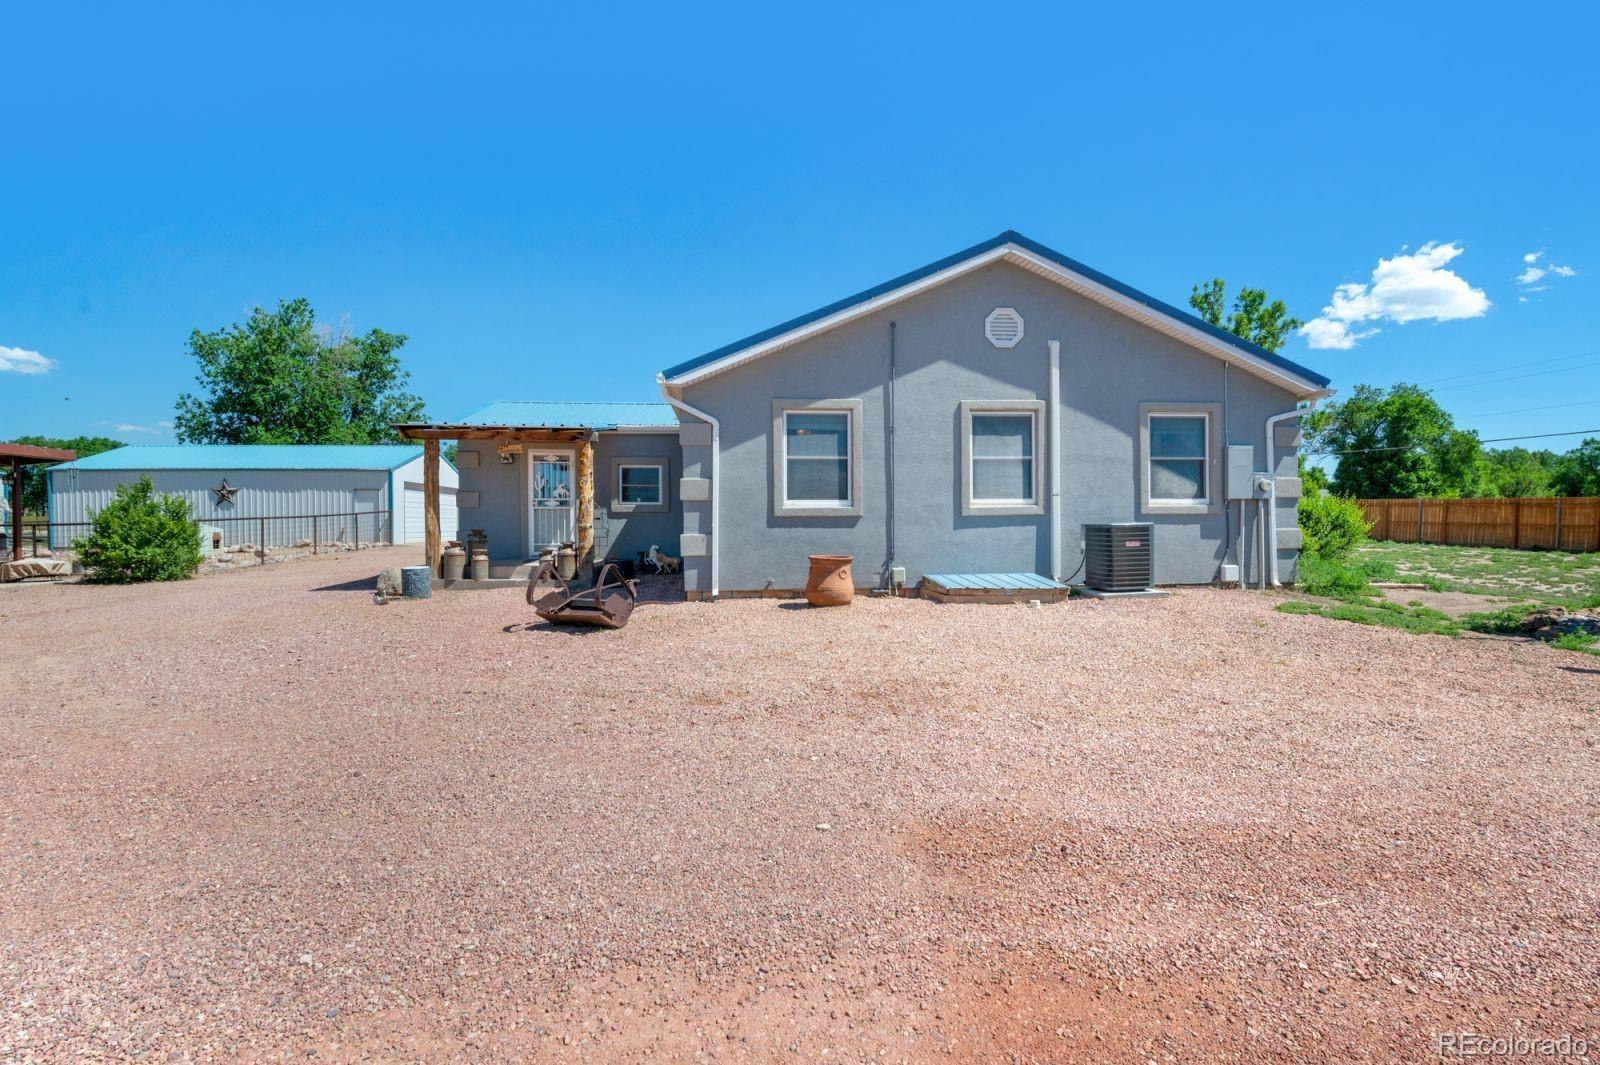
(1528, 410)
(1503, 380)
(1489, 440)
(1513, 366)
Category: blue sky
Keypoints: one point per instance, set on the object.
(555, 204)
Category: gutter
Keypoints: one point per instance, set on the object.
(716, 482)
(1054, 416)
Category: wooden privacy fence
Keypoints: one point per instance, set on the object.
(1530, 523)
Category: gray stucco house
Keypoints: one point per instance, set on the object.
(969, 416)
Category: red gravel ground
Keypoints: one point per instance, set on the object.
(255, 815)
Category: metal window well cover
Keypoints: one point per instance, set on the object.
(992, 588)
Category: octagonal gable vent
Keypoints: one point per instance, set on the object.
(1003, 327)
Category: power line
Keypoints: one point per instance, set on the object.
(1529, 410)
(1503, 380)
(1513, 366)
(1489, 440)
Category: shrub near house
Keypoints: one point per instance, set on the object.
(140, 536)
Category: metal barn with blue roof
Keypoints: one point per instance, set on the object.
(228, 483)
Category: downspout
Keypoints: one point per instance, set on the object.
(888, 473)
(1053, 413)
(716, 483)
(1272, 471)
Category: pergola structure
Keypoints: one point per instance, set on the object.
(518, 437)
(20, 455)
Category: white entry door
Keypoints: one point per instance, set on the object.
(552, 518)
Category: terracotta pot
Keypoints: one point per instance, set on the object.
(829, 583)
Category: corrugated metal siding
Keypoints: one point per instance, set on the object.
(279, 494)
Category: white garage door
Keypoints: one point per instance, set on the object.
(414, 513)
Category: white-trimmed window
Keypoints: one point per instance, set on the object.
(816, 467)
(816, 458)
(1179, 444)
(638, 484)
(1178, 458)
(1002, 447)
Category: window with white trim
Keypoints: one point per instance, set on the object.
(1002, 455)
(1180, 459)
(1002, 458)
(639, 484)
(816, 458)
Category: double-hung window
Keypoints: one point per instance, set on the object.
(815, 457)
(1001, 456)
(1178, 474)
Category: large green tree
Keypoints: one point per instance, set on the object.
(1265, 323)
(1577, 473)
(33, 486)
(1517, 471)
(281, 379)
(1397, 444)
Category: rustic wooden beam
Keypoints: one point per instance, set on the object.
(506, 433)
(432, 548)
(16, 510)
(585, 501)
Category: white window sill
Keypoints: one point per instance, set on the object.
(1016, 508)
(817, 510)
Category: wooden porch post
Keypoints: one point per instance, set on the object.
(16, 511)
(585, 500)
(431, 546)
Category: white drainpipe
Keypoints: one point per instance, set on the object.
(1272, 471)
(716, 482)
(1054, 409)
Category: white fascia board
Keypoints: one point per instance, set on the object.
(838, 318)
(1172, 327)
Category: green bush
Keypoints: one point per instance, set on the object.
(140, 536)
(1331, 527)
(1333, 578)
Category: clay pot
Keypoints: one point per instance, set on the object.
(829, 582)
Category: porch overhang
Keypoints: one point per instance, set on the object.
(580, 437)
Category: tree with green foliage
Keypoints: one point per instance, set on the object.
(1395, 445)
(33, 501)
(281, 379)
(1313, 479)
(1517, 471)
(1577, 473)
(140, 535)
(1266, 324)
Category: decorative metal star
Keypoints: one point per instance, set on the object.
(224, 493)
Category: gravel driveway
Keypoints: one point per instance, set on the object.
(256, 815)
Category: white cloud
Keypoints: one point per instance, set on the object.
(164, 425)
(21, 360)
(1407, 288)
(1532, 273)
(131, 427)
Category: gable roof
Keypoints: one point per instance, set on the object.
(1017, 249)
(249, 457)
